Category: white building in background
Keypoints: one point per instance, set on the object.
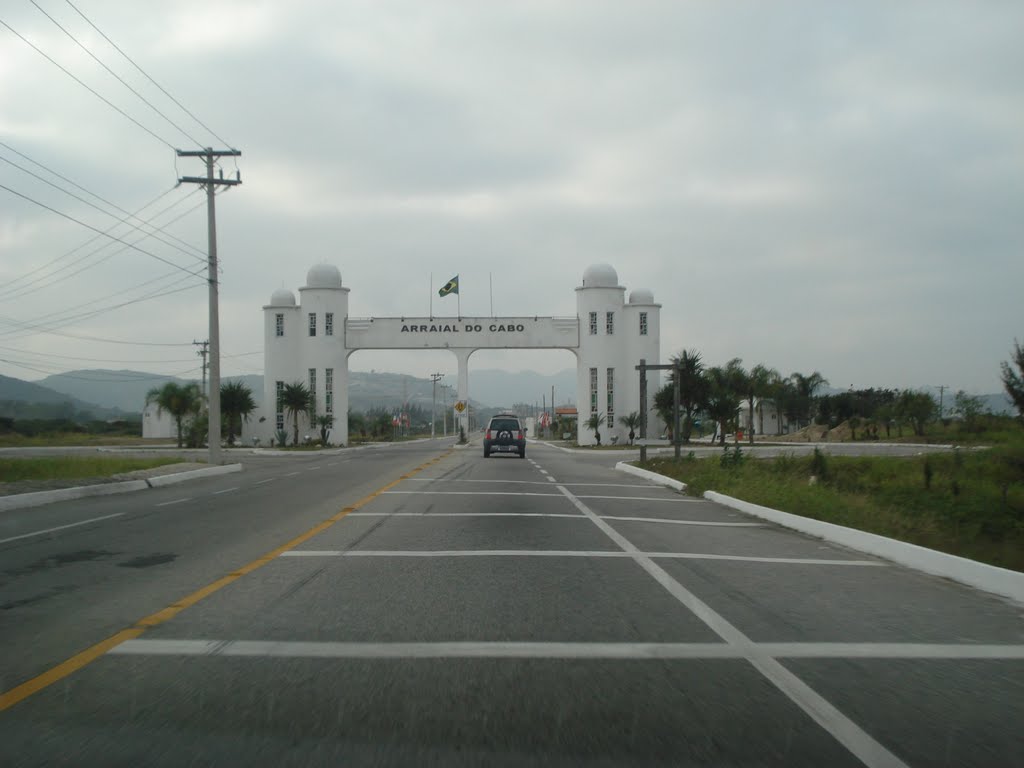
(311, 341)
(158, 424)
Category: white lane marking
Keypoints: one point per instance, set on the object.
(310, 469)
(534, 482)
(226, 490)
(551, 479)
(176, 501)
(70, 525)
(749, 559)
(562, 553)
(674, 500)
(466, 493)
(466, 514)
(453, 553)
(268, 480)
(848, 733)
(520, 650)
(678, 522)
(291, 474)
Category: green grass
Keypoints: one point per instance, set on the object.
(964, 511)
(15, 440)
(73, 467)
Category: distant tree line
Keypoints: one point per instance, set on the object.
(716, 395)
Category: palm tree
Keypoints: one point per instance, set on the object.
(724, 397)
(693, 387)
(594, 422)
(758, 387)
(325, 422)
(295, 399)
(179, 400)
(631, 422)
(805, 387)
(236, 404)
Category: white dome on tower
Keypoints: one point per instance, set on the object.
(282, 297)
(641, 296)
(600, 276)
(323, 276)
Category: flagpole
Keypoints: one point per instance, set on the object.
(490, 287)
(431, 295)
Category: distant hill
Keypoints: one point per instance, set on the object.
(27, 400)
(124, 389)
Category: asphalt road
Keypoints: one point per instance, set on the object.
(419, 605)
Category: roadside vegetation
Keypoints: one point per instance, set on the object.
(74, 467)
(968, 502)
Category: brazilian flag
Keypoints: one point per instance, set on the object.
(452, 286)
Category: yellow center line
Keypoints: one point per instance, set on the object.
(69, 666)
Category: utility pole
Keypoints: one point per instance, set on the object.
(203, 353)
(942, 390)
(209, 154)
(434, 377)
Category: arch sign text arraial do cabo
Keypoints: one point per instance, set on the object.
(310, 340)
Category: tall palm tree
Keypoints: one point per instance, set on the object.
(805, 387)
(631, 422)
(693, 387)
(236, 404)
(724, 397)
(179, 400)
(594, 423)
(295, 399)
(758, 386)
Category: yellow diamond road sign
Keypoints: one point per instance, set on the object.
(460, 406)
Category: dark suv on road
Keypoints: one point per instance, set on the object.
(505, 435)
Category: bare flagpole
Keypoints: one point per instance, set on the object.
(431, 295)
(490, 287)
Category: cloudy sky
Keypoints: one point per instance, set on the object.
(815, 186)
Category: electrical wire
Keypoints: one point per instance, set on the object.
(146, 75)
(88, 378)
(120, 79)
(81, 83)
(106, 213)
(94, 238)
(21, 291)
(116, 207)
(94, 229)
(94, 359)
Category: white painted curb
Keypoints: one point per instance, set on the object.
(37, 499)
(991, 578)
(23, 500)
(181, 477)
(629, 469)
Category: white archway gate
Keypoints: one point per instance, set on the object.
(311, 340)
(462, 336)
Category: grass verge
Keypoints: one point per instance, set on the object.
(73, 467)
(968, 503)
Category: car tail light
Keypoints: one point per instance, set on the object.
(520, 435)
(488, 435)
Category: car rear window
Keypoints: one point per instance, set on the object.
(505, 424)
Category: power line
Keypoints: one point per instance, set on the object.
(81, 83)
(20, 291)
(115, 206)
(87, 378)
(96, 58)
(94, 359)
(38, 327)
(94, 238)
(94, 229)
(146, 75)
(106, 213)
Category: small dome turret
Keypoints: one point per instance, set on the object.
(282, 297)
(641, 296)
(600, 276)
(323, 276)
